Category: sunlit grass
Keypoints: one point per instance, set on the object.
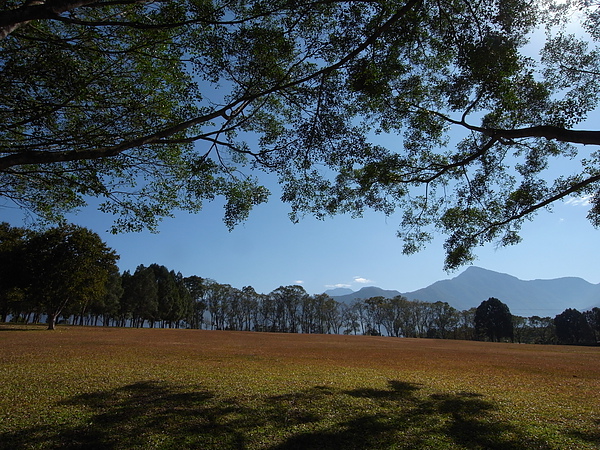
(123, 388)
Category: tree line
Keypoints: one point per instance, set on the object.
(67, 274)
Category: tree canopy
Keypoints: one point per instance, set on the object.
(66, 267)
(155, 106)
(573, 328)
(493, 321)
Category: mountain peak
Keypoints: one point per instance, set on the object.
(524, 298)
(479, 271)
(544, 298)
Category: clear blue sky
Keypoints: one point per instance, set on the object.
(268, 250)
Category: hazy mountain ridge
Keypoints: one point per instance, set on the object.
(524, 298)
(366, 292)
(338, 292)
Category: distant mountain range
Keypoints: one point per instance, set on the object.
(474, 285)
(366, 292)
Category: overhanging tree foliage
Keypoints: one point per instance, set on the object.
(153, 106)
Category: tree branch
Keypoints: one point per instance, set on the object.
(559, 196)
(35, 10)
(441, 169)
(228, 111)
(550, 132)
(546, 131)
(44, 157)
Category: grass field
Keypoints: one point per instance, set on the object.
(115, 388)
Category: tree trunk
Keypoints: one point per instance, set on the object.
(52, 321)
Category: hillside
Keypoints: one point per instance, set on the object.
(524, 298)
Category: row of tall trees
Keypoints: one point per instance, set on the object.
(68, 273)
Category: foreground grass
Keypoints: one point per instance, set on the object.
(121, 388)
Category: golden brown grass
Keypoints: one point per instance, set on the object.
(130, 388)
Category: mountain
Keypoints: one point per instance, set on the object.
(524, 298)
(367, 292)
(338, 292)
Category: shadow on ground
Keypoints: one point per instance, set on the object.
(161, 415)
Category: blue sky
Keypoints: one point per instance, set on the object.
(269, 251)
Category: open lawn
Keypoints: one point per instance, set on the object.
(116, 388)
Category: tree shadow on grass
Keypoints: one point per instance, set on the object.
(591, 436)
(162, 415)
(406, 420)
(141, 415)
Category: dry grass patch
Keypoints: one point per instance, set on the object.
(124, 388)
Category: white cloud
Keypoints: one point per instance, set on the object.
(357, 279)
(299, 282)
(580, 201)
(362, 280)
